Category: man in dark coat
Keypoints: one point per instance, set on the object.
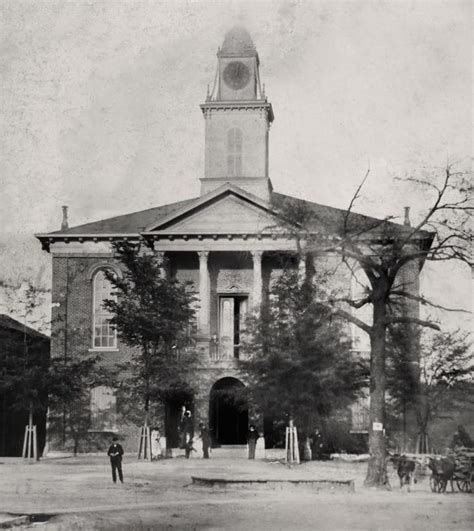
(115, 453)
(252, 437)
(186, 429)
(317, 446)
(206, 440)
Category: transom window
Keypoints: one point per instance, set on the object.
(104, 334)
(234, 152)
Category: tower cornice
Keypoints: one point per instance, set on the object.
(238, 105)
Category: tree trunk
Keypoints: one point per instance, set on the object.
(376, 471)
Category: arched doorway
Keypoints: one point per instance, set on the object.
(228, 412)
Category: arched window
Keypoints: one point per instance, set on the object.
(359, 290)
(103, 409)
(234, 152)
(104, 334)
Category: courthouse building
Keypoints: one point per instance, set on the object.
(226, 242)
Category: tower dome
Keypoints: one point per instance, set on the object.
(237, 41)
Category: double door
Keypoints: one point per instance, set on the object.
(232, 315)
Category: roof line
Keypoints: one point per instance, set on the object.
(75, 235)
(213, 194)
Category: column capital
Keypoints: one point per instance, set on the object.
(257, 255)
(203, 255)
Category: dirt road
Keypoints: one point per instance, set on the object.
(79, 494)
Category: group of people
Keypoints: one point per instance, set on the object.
(186, 433)
(186, 438)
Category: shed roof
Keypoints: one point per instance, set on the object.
(8, 323)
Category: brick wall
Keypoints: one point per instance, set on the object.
(71, 337)
(229, 273)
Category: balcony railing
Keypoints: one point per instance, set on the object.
(223, 351)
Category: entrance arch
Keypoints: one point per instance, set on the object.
(228, 412)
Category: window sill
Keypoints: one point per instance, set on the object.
(103, 349)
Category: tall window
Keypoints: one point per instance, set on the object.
(103, 409)
(360, 415)
(234, 152)
(104, 334)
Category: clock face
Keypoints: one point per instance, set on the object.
(236, 75)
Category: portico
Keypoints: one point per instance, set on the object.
(228, 285)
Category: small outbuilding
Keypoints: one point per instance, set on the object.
(24, 353)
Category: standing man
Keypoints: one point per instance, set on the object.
(187, 428)
(317, 446)
(156, 450)
(115, 453)
(206, 440)
(252, 437)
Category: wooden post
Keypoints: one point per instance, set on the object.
(292, 454)
(30, 445)
(144, 449)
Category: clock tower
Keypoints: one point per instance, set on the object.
(238, 118)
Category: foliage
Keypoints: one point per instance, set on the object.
(154, 315)
(24, 353)
(297, 356)
(442, 379)
(24, 361)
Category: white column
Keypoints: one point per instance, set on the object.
(257, 278)
(204, 295)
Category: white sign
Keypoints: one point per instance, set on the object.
(377, 426)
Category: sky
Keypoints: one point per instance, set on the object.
(100, 108)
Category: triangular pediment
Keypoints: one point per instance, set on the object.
(230, 211)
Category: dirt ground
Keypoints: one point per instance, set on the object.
(79, 495)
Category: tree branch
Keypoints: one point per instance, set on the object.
(354, 320)
(412, 320)
(422, 300)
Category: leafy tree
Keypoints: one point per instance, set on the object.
(69, 384)
(153, 314)
(24, 358)
(444, 379)
(384, 250)
(298, 358)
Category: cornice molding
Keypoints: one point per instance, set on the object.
(238, 105)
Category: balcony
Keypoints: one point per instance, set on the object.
(224, 349)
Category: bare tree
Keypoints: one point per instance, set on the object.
(386, 251)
